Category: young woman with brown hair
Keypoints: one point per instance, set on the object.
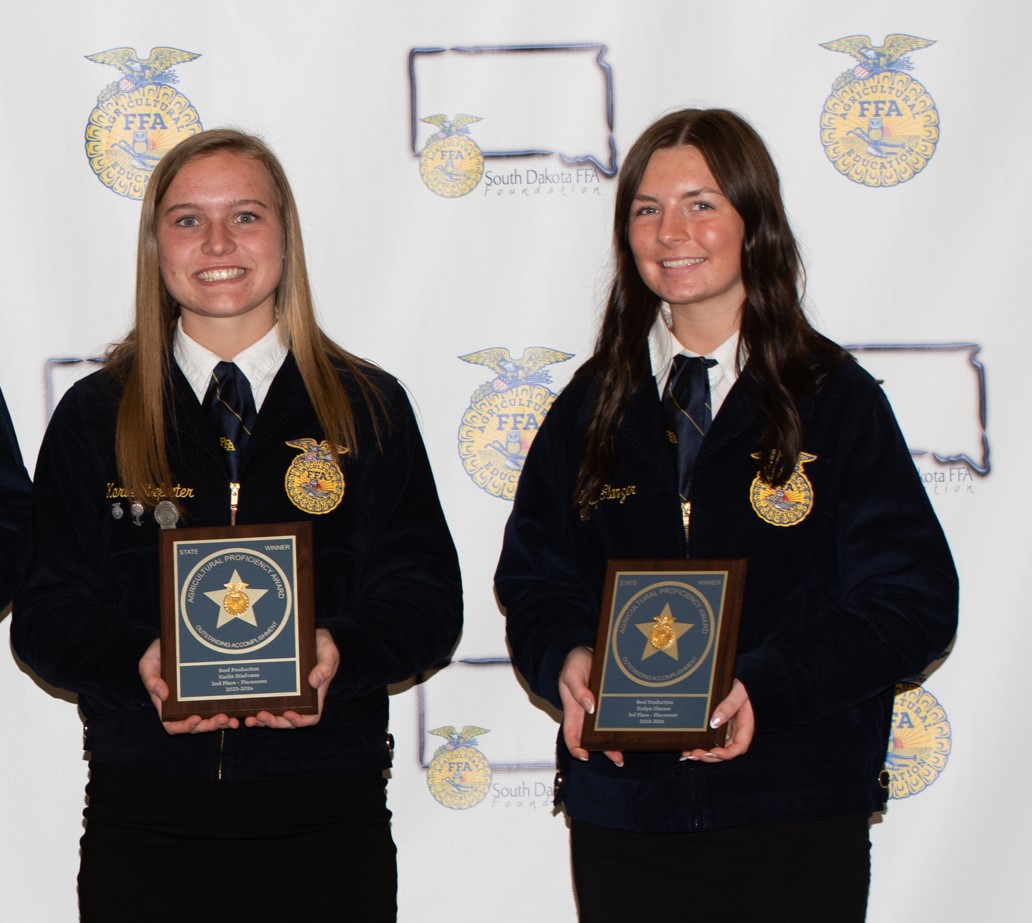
(804, 472)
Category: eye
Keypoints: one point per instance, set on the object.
(187, 221)
(702, 206)
(247, 218)
(646, 210)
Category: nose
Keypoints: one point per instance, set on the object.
(219, 239)
(673, 227)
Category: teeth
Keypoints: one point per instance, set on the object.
(220, 275)
(680, 264)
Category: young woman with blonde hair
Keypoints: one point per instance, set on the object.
(272, 816)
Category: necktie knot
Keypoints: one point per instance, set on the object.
(686, 402)
(230, 404)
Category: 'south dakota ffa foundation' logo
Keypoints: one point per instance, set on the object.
(504, 416)
(879, 126)
(920, 743)
(314, 483)
(138, 118)
(459, 775)
(784, 506)
(451, 164)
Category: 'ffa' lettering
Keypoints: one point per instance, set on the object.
(517, 421)
(142, 121)
(879, 108)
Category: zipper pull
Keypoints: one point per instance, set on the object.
(686, 520)
(234, 501)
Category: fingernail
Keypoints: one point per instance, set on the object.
(619, 764)
(588, 706)
(715, 721)
(583, 759)
(689, 757)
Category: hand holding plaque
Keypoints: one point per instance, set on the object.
(237, 623)
(665, 652)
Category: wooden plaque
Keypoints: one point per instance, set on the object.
(237, 620)
(665, 653)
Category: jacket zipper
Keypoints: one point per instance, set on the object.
(222, 745)
(686, 520)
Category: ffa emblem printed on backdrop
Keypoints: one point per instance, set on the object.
(314, 483)
(504, 415)
(138, 118)
(451, 164)
(784, 506)
(920, 742)
(879, 126)
(459, 775)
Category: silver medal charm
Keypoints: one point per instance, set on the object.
(166, 515)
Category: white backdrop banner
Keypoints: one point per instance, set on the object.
(455, 170)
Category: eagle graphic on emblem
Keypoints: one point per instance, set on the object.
(136, 73)
(529, 369)
(874, 59)
(451, 126)
(466, 737)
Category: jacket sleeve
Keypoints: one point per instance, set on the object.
(14, 509)
(892, 609)
(549, 609)
(64, 625)
(404, 613)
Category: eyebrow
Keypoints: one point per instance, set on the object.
(192, 206)
(687, 194)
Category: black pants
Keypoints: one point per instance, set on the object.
(808, 872)
(175, 849)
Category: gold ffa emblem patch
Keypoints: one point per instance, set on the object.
(784, 506)
(314, 482)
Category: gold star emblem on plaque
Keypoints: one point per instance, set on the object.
(235, 602)
(662, 634)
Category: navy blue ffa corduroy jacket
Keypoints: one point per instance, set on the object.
(387, 583)
(852, 590)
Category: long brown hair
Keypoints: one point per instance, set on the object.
(142, 360)
(784, 351)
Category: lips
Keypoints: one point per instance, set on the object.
(221, 275)
(682, 264)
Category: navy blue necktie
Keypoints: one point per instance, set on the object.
(686, 402)
(230, 403)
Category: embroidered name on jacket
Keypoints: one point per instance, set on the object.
(117, 492)
(788, 505)
(608, 492)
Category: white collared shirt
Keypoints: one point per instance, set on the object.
(259, 362)
(663, 346)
